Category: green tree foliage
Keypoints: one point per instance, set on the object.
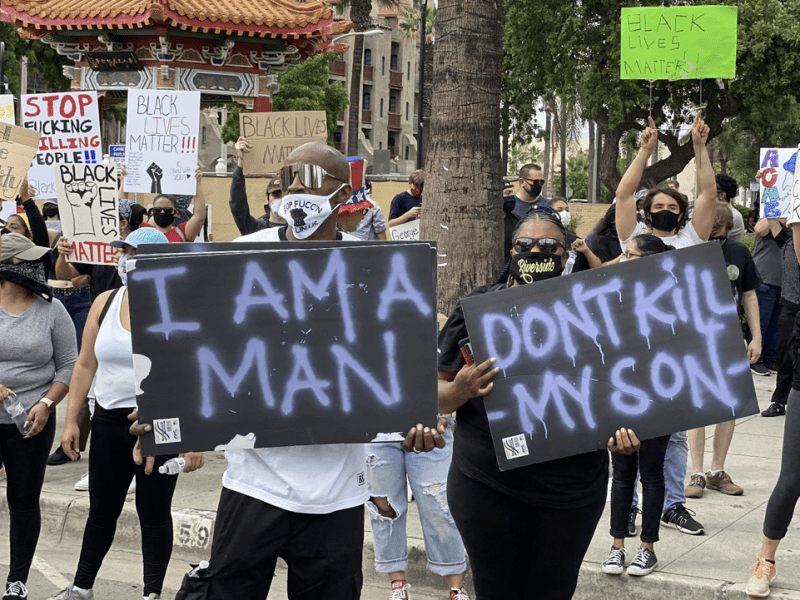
(230, 130)
(41, 59)
(571, 48)
(577, 175)
(411, 19)
(519, 155)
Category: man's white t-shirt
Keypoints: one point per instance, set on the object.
(302, 479)
(683, 239)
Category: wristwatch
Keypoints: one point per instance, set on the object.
(49, 403)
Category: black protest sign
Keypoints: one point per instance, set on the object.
(654, 345)
(295, 346)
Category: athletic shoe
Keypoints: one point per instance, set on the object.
(132, 486)
(460, 594)
(776, 409)
(643, 563)
(764, 573)
(759, 369)
(615, 563)
(632, 521)
(399, 590)
(83, 483)
(681, 519)
(16, 590)
(696, 487)
(71, 594)
(152, 596)
(772, 366)
(722, 482)
(59, 457)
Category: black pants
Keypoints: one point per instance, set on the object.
(323, 552)
(111, 469)
(787, 348)
(25, 461)
(780, 507)
(649, 459)
(518, 551)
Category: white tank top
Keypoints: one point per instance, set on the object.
(115, 385)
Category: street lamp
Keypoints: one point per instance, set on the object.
(369, 33)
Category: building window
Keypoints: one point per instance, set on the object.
(366, 133)
(383, 65)
(380, 145)
(391, 141)
(393, 66)
(406, 111)
(392, 104)
(365, 103)
(368, 57)
(204, 134)
(406, 152)
(337, 136)
(381, 106)
(408, 75)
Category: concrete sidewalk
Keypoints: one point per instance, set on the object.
(715, 565)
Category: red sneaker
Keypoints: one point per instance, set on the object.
(460, 594)
(399, 590)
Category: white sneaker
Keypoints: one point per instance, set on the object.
(83, 483)
(132, 486)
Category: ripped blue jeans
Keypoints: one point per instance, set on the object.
(388, 466)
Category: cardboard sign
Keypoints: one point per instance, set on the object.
(290, 344)
(274, 135)
(7, 115)
(678, 42)
(777, 167)
(17, 149)
(70, 128)
(88, 205)
(405, 231)
(654, 345)
(117, 155)
(162, 142)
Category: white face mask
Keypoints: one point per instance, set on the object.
(623, 259)
(122, 269)
(305, 212)
(565, 218)
(275, 205)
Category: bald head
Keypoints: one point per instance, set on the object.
(327, 157)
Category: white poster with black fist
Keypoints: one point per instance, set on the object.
(162, 142)
(88, 206)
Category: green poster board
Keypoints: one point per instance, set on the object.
(678, 42)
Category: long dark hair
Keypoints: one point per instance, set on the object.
(608, 222)
(648, 244)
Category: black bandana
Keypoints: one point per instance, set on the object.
(29, 275)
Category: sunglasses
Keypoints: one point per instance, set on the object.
(156, 210)
(535, 181)
(310, 176)
(546, 245)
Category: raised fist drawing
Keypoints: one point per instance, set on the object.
(81, 195)
(156, 173)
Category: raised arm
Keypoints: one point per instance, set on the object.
(195, 224)
(626, 204)
(706, 204)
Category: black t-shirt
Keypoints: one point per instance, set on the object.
(104, 278)
(570, 482)
(606, 247)
(742, 271)
(402, 203)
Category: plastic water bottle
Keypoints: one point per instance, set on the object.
(173, 466)
(18, 413)
(570, 262)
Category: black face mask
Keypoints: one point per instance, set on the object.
(664, 220)
(534, 189)
(527, 267)
(163, 219)
(50, 212)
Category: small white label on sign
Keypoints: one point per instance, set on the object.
(168, 431)
(515, 446)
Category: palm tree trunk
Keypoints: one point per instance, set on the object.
(354, 116)
(463, 194)
(563, 137)
(592, 193)
(548, 132)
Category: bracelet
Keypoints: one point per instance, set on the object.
(49, 403)
(451, 415)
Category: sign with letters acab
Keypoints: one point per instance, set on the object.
(287, 344)
(653, 345)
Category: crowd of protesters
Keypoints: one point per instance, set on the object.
(65, 329)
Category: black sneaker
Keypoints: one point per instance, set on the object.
(59, 458)
(615, 563)
(772, 366)
(643, 563)
(16, 590)
(681, 519)
(759, 369)
(775, 410)
(632, 521)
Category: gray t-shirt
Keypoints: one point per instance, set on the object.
(371, 225)
(37, 348)
(767, 256)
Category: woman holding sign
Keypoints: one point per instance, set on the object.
(525, 530)
(106, 354)
(165, 208)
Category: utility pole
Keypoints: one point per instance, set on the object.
(423, 14)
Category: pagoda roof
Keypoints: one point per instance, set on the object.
(273, 18)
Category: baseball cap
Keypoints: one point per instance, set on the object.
(274, 185)
(16, 245)
(143, 235)
(52, 201)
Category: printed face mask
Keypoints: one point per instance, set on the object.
(305, 212)
(664, 220)
(527, 267)
(122, 269)
(565, 218)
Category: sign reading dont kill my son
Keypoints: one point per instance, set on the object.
(88, 206)
(653, 345)
(678, 42)
(274, 135)
(288, 344)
